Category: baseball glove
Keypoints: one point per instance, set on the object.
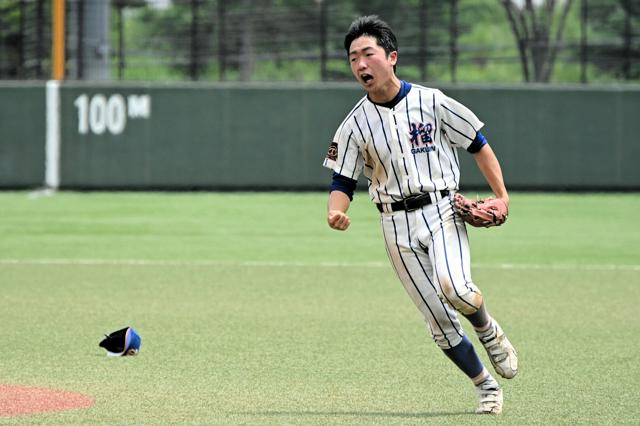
(482, 213)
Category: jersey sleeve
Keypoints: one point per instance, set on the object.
(458, 122)
(344, 156)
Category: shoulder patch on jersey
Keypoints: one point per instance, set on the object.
(333, 151)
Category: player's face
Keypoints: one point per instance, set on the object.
(370, 64)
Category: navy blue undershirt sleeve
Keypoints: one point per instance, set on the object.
(477, 143)
(343, 184)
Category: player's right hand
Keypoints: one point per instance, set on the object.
(338, 220)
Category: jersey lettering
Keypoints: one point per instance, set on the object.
(405, 148)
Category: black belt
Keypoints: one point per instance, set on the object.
(413, 202)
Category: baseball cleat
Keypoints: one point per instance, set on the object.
(502, 354)
(490, 396)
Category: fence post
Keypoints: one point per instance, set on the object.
(422, 48)
(20, 68)
(39, 38)
(222, 54)
(80, 40)
(627, 35)
(57, 40)
(583, 41)
(193, 63)
(453, 38)
(323, 39)
(121, 64)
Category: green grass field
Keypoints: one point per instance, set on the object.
(252, 311)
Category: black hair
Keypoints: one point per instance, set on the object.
(375, 27)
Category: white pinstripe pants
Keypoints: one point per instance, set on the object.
(429, 250)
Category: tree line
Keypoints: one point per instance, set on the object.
(455, 40)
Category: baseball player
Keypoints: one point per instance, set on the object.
(405, 139)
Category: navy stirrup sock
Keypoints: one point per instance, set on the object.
(465, 357)
(480, 318)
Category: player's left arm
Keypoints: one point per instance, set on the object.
(490, 168)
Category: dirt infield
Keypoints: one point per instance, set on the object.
(15, 400)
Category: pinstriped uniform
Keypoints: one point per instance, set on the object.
(409, 149)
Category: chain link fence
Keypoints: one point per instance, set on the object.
(584, 41)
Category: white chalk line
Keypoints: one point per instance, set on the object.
(275, 263)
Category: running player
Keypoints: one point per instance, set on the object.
(405, 139)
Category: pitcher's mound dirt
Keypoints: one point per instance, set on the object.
(15, 400)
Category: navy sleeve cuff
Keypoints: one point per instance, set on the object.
(477, 143)
(343, 184)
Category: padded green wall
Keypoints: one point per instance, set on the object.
(560, 138)
(22, 134)
(202, 136)
(264, 136)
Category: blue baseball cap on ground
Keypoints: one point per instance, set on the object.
(122, 342)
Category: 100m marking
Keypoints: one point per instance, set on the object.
(99, 114)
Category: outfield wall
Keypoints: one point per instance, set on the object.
(22, 135)
(270, 136)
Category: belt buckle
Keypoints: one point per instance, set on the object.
(408, 200)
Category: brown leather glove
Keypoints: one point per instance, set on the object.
(482, 213)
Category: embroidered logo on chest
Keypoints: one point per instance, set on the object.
(421, 140)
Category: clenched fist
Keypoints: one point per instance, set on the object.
(338, 220)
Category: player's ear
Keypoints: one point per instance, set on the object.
(393, 58)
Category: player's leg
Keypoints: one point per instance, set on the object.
(413, 266)
(502, 354)
(414, 269)
(450, 255)
(487, 388)
(448, 249)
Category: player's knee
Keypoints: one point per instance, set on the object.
(465, 298)
(466, 306)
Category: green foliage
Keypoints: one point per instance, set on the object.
(609, 31)
(296, 70)
(270, 39)
(487, 49)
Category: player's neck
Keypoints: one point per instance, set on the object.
(386, 92)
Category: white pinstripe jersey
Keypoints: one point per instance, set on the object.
(405, 150)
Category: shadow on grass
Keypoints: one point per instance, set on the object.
(356, 413)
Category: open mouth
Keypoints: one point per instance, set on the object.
(366, 78)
